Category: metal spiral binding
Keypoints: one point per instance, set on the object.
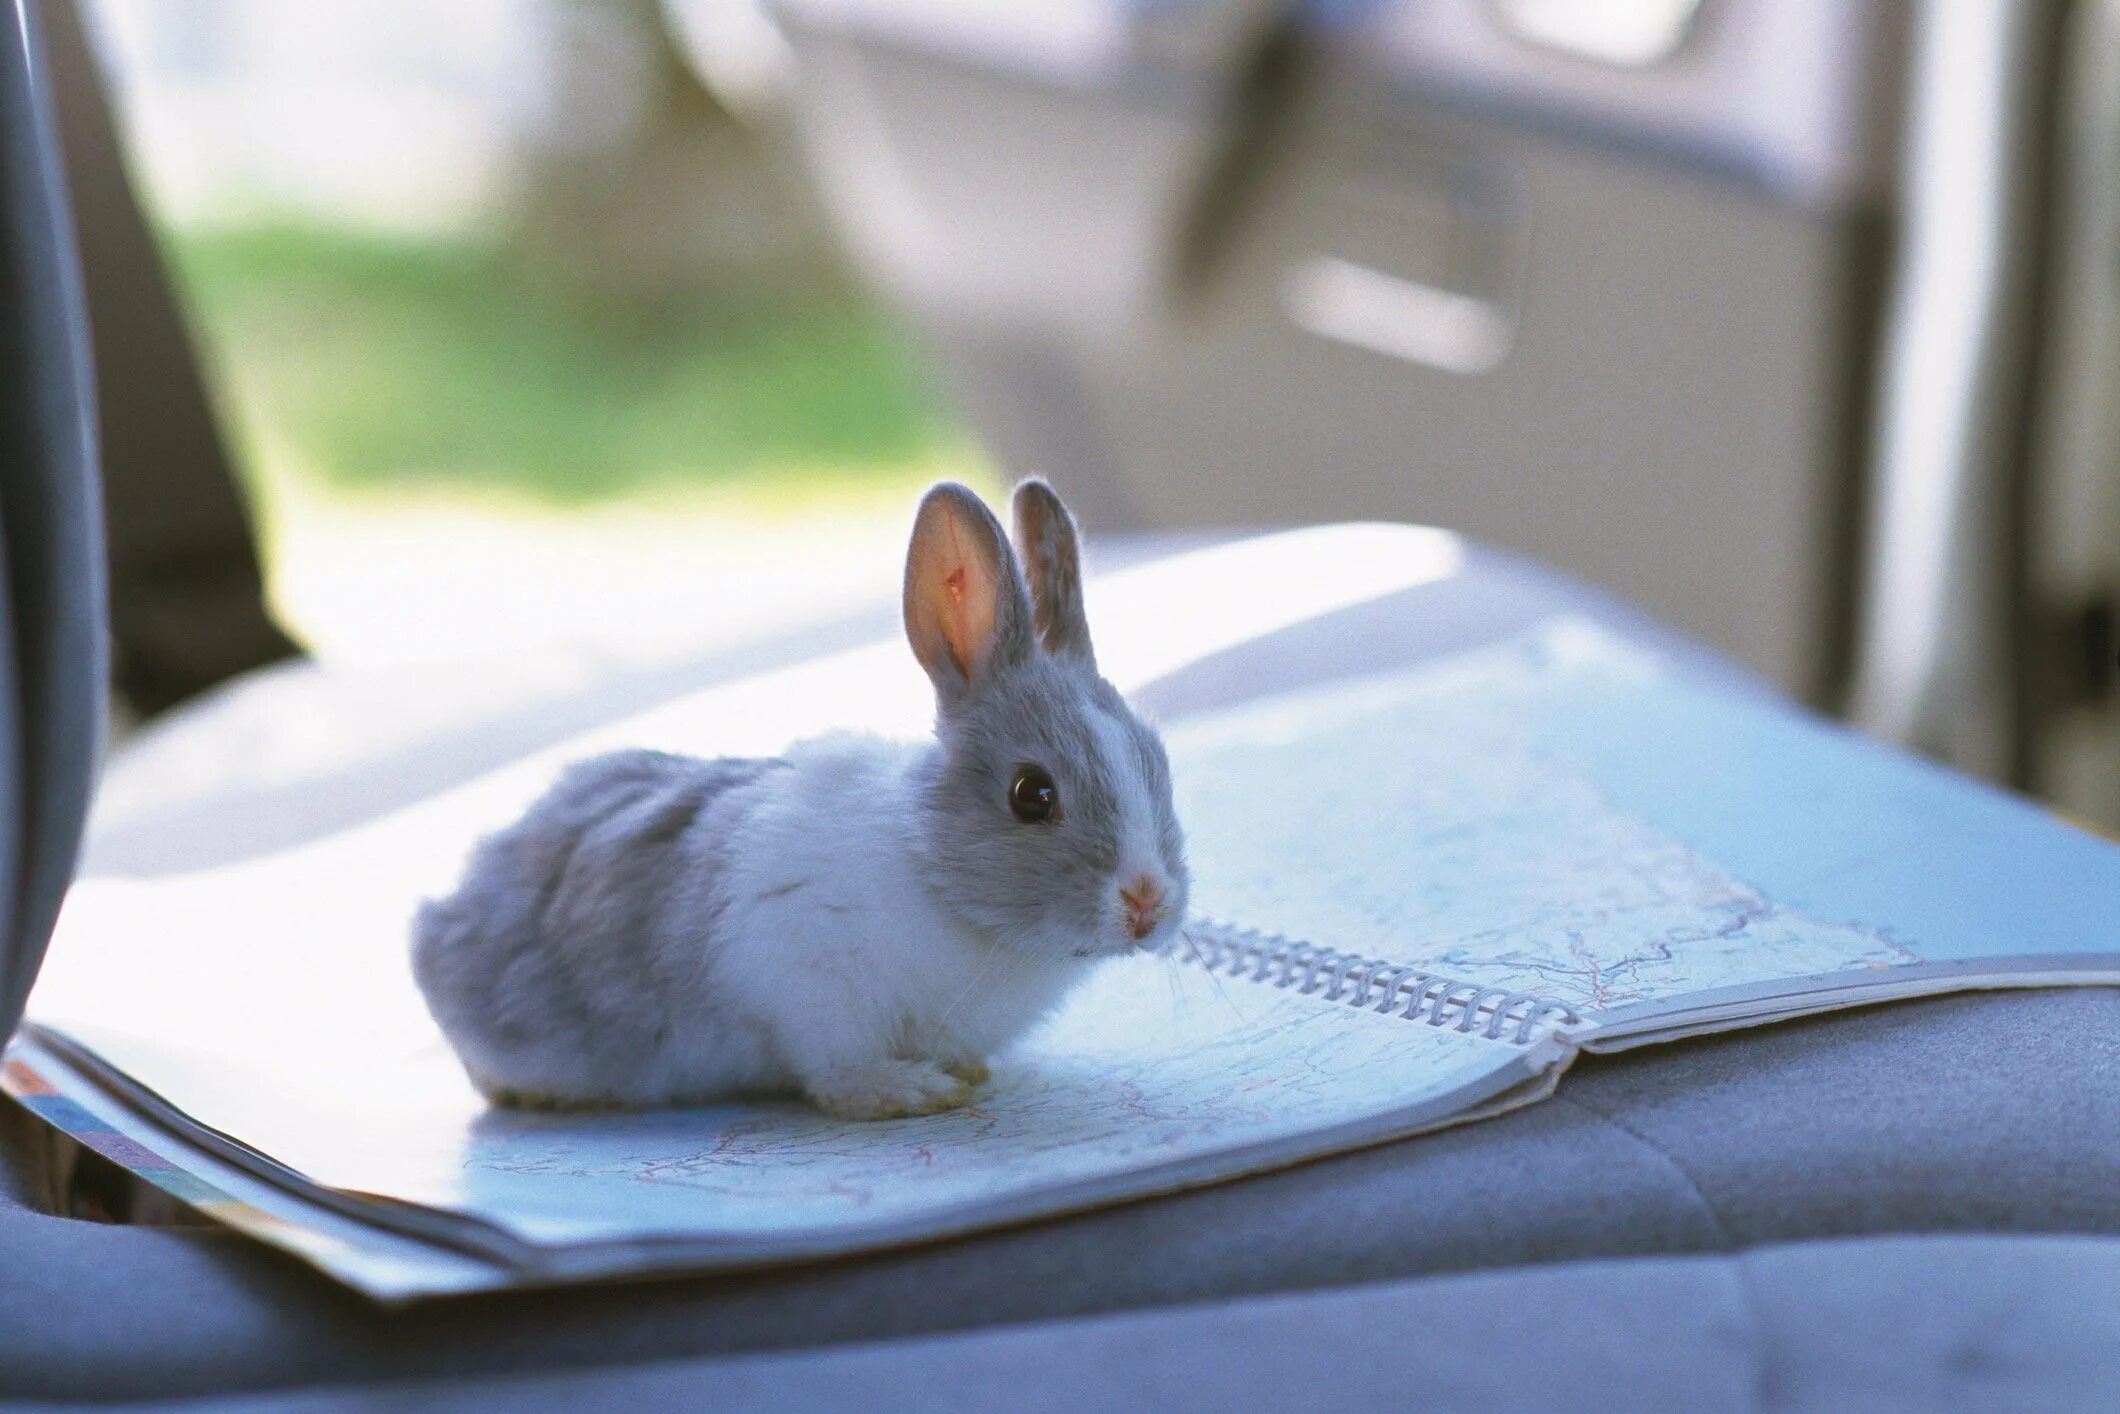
(1353, 980)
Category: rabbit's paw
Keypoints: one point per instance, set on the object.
(889, 1090)
(516, 1097)
(971, 1072)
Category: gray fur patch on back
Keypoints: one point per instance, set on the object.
(560, 924)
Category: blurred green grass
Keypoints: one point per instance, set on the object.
(386, 364)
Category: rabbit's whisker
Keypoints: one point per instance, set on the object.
(1234, 1009)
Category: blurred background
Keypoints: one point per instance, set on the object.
(520, 332)
(537, 323)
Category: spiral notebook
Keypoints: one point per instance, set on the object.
(1430, 892)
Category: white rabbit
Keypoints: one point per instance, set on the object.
(860, 920)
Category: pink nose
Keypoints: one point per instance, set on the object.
(1143, 899)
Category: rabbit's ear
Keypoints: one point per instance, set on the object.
(967, 613)
(1045, 534)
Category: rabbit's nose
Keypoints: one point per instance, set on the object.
(1143, 899)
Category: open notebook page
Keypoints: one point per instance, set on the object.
(1560, 815)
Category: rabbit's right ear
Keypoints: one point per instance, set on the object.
(1052, 562)
(967, 614)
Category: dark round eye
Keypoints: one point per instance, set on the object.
(1032, 796)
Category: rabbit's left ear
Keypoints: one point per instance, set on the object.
(1052, 563)
(966, 613)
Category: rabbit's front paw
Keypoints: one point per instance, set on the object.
(971, 1072)
(889, 1090)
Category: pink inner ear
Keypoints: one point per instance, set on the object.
(951, 589)
(968, 618)
(966, 614)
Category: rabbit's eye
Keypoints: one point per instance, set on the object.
(1032, 796)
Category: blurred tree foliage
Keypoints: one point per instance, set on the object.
(383, 362)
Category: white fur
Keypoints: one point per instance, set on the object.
(855, 968)
(1139, 856)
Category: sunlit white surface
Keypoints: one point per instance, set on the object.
(1154, 619)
